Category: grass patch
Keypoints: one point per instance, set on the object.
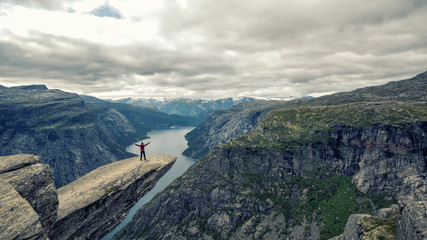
(110, 191)
(330, 201)
(296, 128)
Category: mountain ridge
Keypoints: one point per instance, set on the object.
(71, 135)
(303, 170)
(187, 107)
(215, 130)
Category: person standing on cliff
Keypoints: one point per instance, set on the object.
(142, 146)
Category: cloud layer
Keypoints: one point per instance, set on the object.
(211, 49)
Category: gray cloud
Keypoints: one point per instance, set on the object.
(227, 47)
(41, 4)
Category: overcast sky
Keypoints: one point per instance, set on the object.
(211, 48)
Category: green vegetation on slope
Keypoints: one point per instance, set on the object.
(330, 201)
(381, 228)
(294, 127)
(334, 199)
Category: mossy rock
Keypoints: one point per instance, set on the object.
(380, 228)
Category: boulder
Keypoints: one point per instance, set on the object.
(33, 191)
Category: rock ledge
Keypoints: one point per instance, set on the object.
(97, 202)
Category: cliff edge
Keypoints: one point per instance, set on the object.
(88, 208)
(97, 202)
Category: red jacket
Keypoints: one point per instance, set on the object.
(142, 146)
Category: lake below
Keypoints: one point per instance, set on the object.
(169, 141)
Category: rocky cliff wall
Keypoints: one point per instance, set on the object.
(222, 126)
(299, 169)
(413, 207)
(243, 191)
(29, 199)
(381, 157)
(58, 127)
(142, 118)
(18, 218)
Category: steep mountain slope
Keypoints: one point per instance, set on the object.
(221, 126)
(307, 166)
(239, 120)
(58, 127)
(72, 136)
(143, 118)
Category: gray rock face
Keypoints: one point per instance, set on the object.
(142, 118)
(221, 177)
(115, 126)
(58, 127)
(96, 203)
(403, 173)
(353, 229)
(88, 208)
(413, 203)
(32, 190)
(413, 223)
(382, 225)
(388, 156)
(223, 126)
(18, 218)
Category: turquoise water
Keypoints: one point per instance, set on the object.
(170, 141)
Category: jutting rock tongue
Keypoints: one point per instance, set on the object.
(97, 202)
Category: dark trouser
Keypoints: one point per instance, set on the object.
(140, 157)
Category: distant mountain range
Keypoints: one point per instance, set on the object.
(198, 108)
(144, 118)
(187, 107)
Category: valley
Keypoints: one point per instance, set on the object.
(73, 136)
(300, 169)
(213, 120)
(333, 167)
(166, 141)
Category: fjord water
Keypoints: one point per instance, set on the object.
(169, 141)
